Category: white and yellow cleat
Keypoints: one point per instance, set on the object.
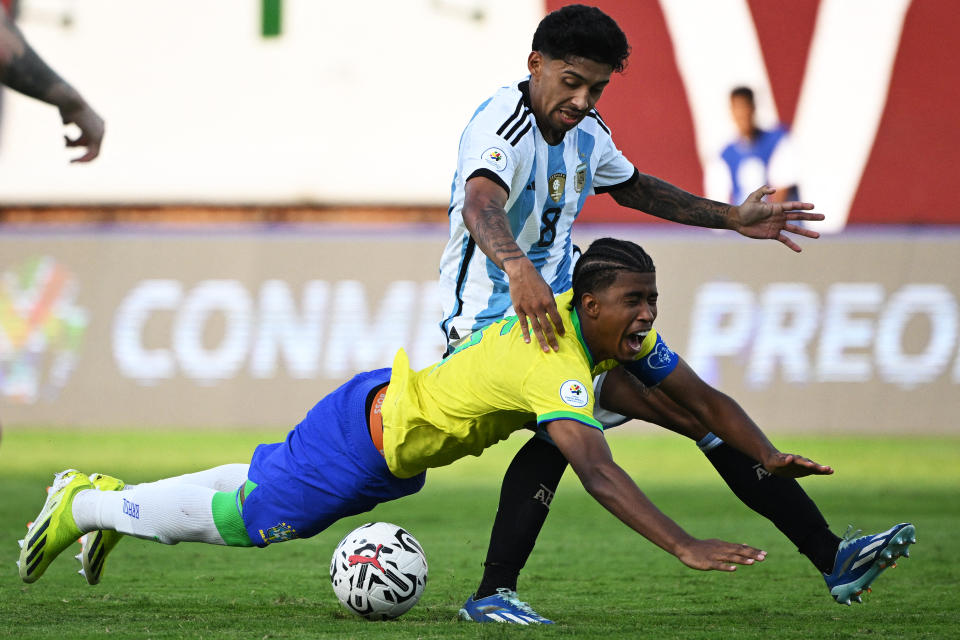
(54, 529)
(97, 544)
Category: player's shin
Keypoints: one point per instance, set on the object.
(528, 488)
(780, 500)
(170, 514)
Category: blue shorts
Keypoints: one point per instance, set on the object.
(326, 469)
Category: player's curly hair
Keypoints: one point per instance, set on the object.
(597, 268)
(579, 30)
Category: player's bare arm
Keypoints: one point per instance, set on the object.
(660, 198)
(24, 71)
(533, 302)
(21, 68)
(731, 423)
(623, 393)
(587, 451)
(753, 219)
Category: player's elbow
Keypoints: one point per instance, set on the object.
(598, 478)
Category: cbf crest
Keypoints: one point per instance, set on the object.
(279, 533)
(558, 183)
(580, 177)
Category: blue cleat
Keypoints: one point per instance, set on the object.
(860, 560)
(503, 606)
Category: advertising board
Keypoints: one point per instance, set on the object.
(858, 333)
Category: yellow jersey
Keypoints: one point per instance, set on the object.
(492, 385)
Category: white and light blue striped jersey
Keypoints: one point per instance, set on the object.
(546, 185)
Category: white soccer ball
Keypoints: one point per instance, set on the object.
(378, 571)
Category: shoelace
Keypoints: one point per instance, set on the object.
(60, 480)
(514, 598)
(851, 534)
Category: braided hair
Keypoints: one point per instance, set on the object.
(597, 268)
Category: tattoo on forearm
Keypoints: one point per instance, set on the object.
(25, 71)
(492, 233)
(662, 199)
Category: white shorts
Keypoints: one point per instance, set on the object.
(605, 417)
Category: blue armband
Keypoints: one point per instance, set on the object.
(655, 362)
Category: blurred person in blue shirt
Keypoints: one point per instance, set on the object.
(756, 156)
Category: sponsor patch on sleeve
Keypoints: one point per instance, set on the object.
(496, 158)
(574, 393)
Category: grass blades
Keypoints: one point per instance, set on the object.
(590, 573)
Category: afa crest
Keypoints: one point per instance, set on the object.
(580, 177)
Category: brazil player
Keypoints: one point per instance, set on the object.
(373, 439)
(528, 159)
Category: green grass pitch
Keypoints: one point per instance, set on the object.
(589, 572)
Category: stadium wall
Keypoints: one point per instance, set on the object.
(866, 87)
(363, 102)
(858, 334)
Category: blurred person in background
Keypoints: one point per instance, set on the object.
(528, 159)
(757, 156)
(24, 71)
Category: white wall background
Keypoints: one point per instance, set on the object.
(360, 101)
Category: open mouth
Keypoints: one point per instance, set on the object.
(570, 117)
(635, 341)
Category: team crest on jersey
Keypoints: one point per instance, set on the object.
(580, 177)
(574, 393)
(557, 183)
(496, 158)
(280, 533)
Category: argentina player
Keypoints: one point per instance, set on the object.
(528, 159)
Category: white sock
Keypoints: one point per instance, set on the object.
(167, 513)
(226, 477)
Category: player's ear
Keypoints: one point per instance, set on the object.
(535, 63)
(590, 304)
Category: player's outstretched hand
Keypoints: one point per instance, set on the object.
(533, 303)
(91, 130)
(713, 554)
(756, 218)
(789, 465)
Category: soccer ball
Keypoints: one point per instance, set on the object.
(378, 571)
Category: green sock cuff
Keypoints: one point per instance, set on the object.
(228, 516)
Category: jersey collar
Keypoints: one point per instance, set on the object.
(575, 319)
(524, 87)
